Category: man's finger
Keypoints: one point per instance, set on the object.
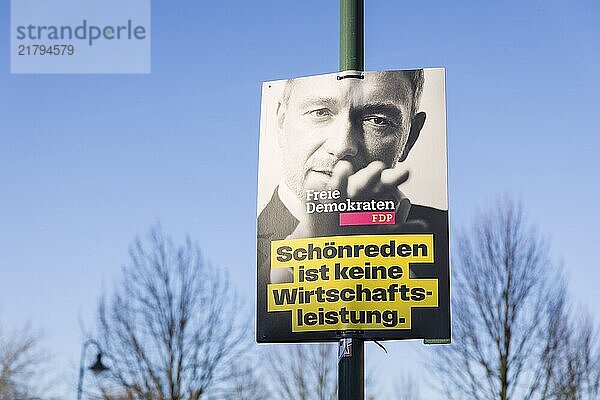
(365, 180)
(339, 176)
(394, 177)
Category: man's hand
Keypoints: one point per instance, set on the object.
(375, 181)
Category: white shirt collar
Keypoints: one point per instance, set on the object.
(291, 201)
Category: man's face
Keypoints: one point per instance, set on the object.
(358, 120)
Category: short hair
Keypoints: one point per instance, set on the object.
(417, 80)
(416, 77)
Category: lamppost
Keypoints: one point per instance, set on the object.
(351, 369)
(96, 367)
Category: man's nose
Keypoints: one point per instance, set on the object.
(343, 142)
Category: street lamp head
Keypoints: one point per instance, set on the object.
(98, 366)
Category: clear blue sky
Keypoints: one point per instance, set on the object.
(89, 161)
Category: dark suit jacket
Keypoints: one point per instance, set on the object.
(276, 222)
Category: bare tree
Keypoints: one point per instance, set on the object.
(172, 327)
(21, 365)
(512, 337)
(303, 372)
(569, 367)
(246, 383)
(406, 388)
(308, 371)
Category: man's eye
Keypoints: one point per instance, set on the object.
(320, 113)
(378, 121)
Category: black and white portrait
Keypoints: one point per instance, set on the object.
(336, 148)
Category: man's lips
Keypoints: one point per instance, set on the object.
(322, 171)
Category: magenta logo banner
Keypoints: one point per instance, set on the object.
(367, 218)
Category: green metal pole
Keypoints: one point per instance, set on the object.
(351, 373)
(351, 369)
(352, 37)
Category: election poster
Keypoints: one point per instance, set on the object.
(352, 219)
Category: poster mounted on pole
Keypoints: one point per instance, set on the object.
(352, 228)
